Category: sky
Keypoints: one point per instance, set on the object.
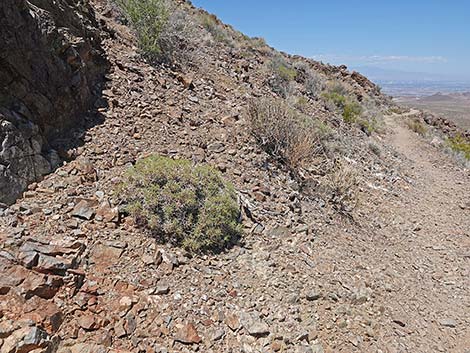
(407, 35)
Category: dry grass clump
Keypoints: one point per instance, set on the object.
(213, 25)
(285, 133)
(186, 205)
(312, 81)
(343, 187)
(417, 126)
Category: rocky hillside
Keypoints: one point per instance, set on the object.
(51, 67)
(80, 274)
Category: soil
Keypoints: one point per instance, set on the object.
(413, 267)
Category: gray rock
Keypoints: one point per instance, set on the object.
(162, 288)
(83, 210)
(254, 326)
(312, 295)
(448, 322)
(216, 147)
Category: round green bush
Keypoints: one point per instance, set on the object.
(183, 204)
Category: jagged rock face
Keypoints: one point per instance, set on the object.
(51, 65)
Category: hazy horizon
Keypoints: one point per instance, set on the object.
(419, 37)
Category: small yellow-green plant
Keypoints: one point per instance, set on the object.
(351, 111)
(183, 204)
(460, 145)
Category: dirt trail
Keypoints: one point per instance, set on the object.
(410, 275)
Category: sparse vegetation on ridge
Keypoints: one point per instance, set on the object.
(186, 205)
(460, 145)
(282, 76)
(365, 115)
(164, 31)
(216, 29)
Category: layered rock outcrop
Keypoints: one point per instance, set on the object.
(51, 66)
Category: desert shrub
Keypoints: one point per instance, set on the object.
(313, 83)
(371, 119)
(182, 204)
(282, 76)
(338, 88)
(396, 109)
(338, 100)
(366, 114)
(343, 186)
(216, 29)
(164, 32)
(336, 93)
(286, 134)
(460, 145)
(417, 126)
(351, 111)
(301, 103)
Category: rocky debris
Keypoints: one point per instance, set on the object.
(303, 279)
(449, 128)
(26, 339)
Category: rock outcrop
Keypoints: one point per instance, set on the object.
(51, 64)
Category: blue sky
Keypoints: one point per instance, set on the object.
(408, 35)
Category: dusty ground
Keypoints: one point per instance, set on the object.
(413, 268)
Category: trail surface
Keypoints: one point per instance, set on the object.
(404, 285)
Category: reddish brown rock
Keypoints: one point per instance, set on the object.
(187, 334)
(89, 323)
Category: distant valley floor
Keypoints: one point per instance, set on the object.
(453, 106)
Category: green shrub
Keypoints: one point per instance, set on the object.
(460, 145)
(149, 18)
(282, 76)
(351, 111)
(350, 108)
(182, 204)
(164, 33)
(337, 99)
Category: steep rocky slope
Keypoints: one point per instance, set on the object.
(51, 65)
(80, 276)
